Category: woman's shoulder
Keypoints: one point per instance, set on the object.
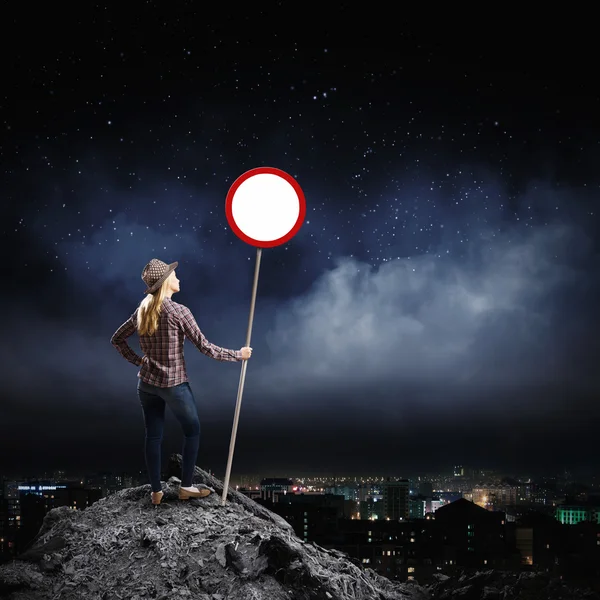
(174, 307)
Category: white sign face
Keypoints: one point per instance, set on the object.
(265, 207)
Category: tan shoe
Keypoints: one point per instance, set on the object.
(195, 493)
(156, 497)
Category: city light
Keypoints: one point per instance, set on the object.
(41, 487)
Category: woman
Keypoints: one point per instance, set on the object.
(162, 326)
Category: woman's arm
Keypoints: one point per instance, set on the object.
(119, 341)
(192, 332)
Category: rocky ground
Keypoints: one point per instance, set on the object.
(123, 548)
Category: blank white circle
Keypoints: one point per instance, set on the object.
(265, 207)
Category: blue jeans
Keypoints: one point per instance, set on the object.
(181, 401)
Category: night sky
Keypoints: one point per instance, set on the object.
(438, 306)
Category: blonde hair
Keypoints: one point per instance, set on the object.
(149, 309)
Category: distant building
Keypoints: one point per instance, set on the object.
(459, 471)
(313, 516)
(492, 497)
(420, 506)
(10, 520)
(372, 508)
(274, 487)
(349, 492)
(474, 536)
(570, 550)
(571, 514)
(417, 507)
(395, 500)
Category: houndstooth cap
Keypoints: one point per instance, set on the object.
(155, 272)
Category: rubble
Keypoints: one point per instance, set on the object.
(123, 548)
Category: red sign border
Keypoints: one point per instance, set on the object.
(229, 207)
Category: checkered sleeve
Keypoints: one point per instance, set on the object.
(192, 332)
(119, 341)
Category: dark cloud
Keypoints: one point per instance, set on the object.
(485, 320)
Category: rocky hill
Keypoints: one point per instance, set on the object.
(123, 548)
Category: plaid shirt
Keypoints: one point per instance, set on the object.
(163, 364)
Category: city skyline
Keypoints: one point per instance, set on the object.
(447, 476)
(438, 305)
